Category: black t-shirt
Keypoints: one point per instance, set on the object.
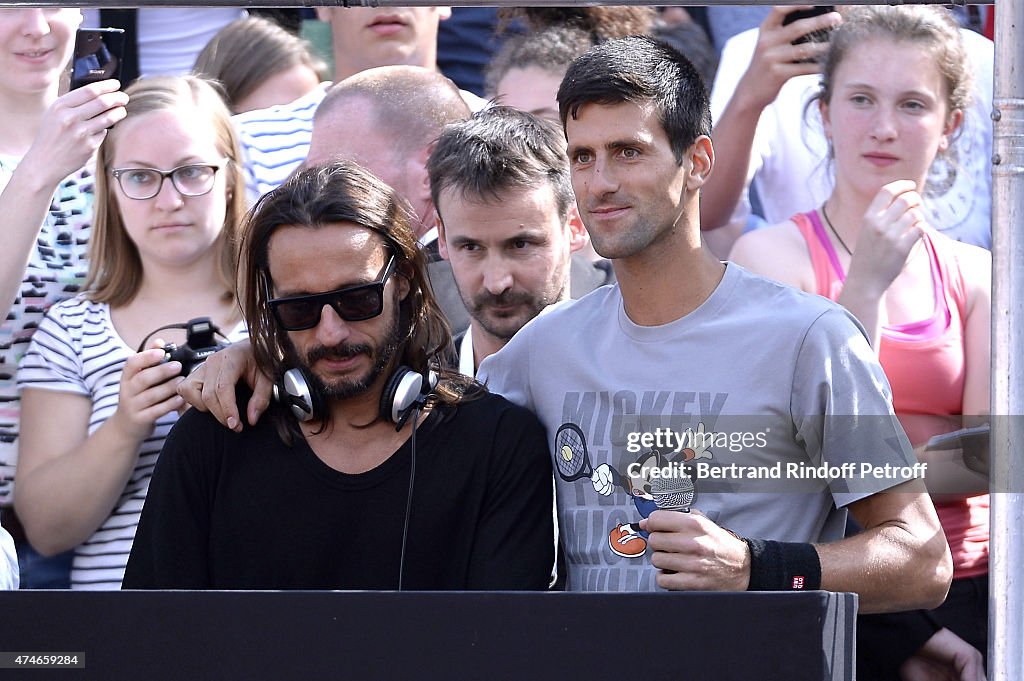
(242, 510)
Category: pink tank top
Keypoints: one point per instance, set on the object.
(925, 363)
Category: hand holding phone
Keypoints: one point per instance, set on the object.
(972, 442)
(73, 126)
(818, 36)
(98, 55)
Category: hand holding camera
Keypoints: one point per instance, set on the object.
(148, 391)
(201, 343)
(149, 381)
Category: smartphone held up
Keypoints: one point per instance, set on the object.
(820, 36)
(97, 56)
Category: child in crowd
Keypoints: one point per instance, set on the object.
(259, 64)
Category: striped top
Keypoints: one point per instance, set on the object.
(10, 578)
(77, 350)
(275, 141)
(56, 269)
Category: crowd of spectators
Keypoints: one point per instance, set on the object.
(853, 165)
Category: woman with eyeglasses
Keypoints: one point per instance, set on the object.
(169, 198)
(47, 141)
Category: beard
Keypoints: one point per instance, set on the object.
(504, 326)
(381, 355)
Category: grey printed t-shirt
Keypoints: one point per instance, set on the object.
(767, 400)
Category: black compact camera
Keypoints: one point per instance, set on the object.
(199, 345)
(201, 342)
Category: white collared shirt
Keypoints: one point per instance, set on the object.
(429, 237)
(466, 364)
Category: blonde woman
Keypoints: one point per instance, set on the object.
(95, 412)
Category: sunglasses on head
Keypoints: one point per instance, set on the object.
(353, 303)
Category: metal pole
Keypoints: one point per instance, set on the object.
(1006, 585)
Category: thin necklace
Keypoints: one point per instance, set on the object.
(828, 222)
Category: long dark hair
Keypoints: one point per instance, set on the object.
(317, 197)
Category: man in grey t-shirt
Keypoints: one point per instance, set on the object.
(735, 374)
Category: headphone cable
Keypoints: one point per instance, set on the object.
(417, 409)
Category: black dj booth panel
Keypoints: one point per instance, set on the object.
(300, 636)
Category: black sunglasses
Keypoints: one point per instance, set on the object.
(353, 303)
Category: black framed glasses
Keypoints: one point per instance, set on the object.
(353, 303)
(193, 179)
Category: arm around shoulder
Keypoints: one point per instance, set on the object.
(213, 384)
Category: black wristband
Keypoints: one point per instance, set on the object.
(783, 566)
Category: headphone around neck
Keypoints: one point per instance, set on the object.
(404, 391)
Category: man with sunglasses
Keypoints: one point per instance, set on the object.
(378, 487)
(366, 118)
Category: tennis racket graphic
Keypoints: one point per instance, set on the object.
(571, 456)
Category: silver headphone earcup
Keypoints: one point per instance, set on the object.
(298, 394)
(402, 392)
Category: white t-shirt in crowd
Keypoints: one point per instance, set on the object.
(170, 38)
